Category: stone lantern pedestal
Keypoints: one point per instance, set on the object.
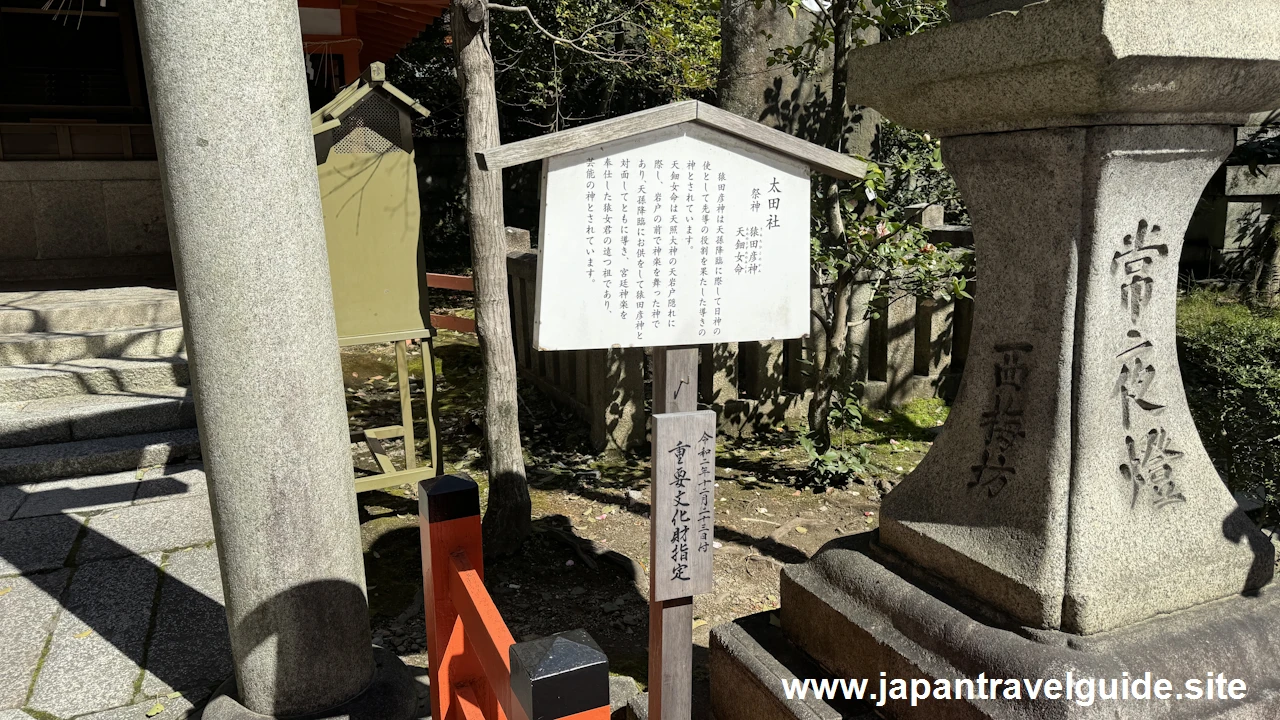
(1068, 519)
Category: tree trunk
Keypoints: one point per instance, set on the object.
(832, 373)
(507, 517)
(837, 305)
(854, 134)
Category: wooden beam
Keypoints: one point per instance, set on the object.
(388, 20)
(393, 24)
(456, 324)
(468, 705)
(675, 389)
(417, 19)
(328, 40)
(671, 659)
(816, 157)
(828, 162)
(129, 43)
(393, 11)
(378, 38)
(348, 14)
(387, 28)
(690, 575)
(483, 627)
(451, 282)
(586, 136)
(378, 52)
(375, 40)
(415, 24)
(406, 405)
(351, 64)
(449, 522)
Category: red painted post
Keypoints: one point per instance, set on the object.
(477, 671)
(449, 518)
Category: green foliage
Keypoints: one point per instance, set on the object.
(838, 463)
(609, 58)
(876, 239)
(880, 242)
(916, 174)
(907, 170)
(892, 18)
(1259, 232)
(900, 18)
(846, 415)
(1261, 149)
(626, 55)
(912, 161)
(1231, 363)
(683, 41)
(836, 466)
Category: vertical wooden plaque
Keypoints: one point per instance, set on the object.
(683, 514)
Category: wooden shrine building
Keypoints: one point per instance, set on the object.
(80, 199)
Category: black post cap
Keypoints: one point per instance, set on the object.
(449, 497)
(559, 675)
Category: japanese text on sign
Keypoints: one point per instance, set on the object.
(683, 511)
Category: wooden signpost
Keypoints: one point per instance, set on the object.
(671, 228)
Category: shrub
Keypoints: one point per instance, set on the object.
(1230, 356)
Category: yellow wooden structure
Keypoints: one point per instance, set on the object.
(369, 190)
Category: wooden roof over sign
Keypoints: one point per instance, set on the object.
(386, 26)
(374, 76)
(818, 158)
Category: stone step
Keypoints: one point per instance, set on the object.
(750, 658)
(87, 417)
(91, 377)
(81, 310)
(80, 458)
(47, 348)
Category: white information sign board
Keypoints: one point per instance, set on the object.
(676, 236)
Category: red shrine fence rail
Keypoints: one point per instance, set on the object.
(477, 670)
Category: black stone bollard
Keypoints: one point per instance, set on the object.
(561, 676)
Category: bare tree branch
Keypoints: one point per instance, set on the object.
(610, 57)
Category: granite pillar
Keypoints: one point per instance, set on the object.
(230, 106)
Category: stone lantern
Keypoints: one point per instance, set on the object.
(1068, 518)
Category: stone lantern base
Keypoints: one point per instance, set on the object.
(860, 611)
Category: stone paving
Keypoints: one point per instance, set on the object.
(110, 598)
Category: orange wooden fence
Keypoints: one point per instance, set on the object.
(478, 671)
(461, 283)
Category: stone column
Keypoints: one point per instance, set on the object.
(230, 108)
